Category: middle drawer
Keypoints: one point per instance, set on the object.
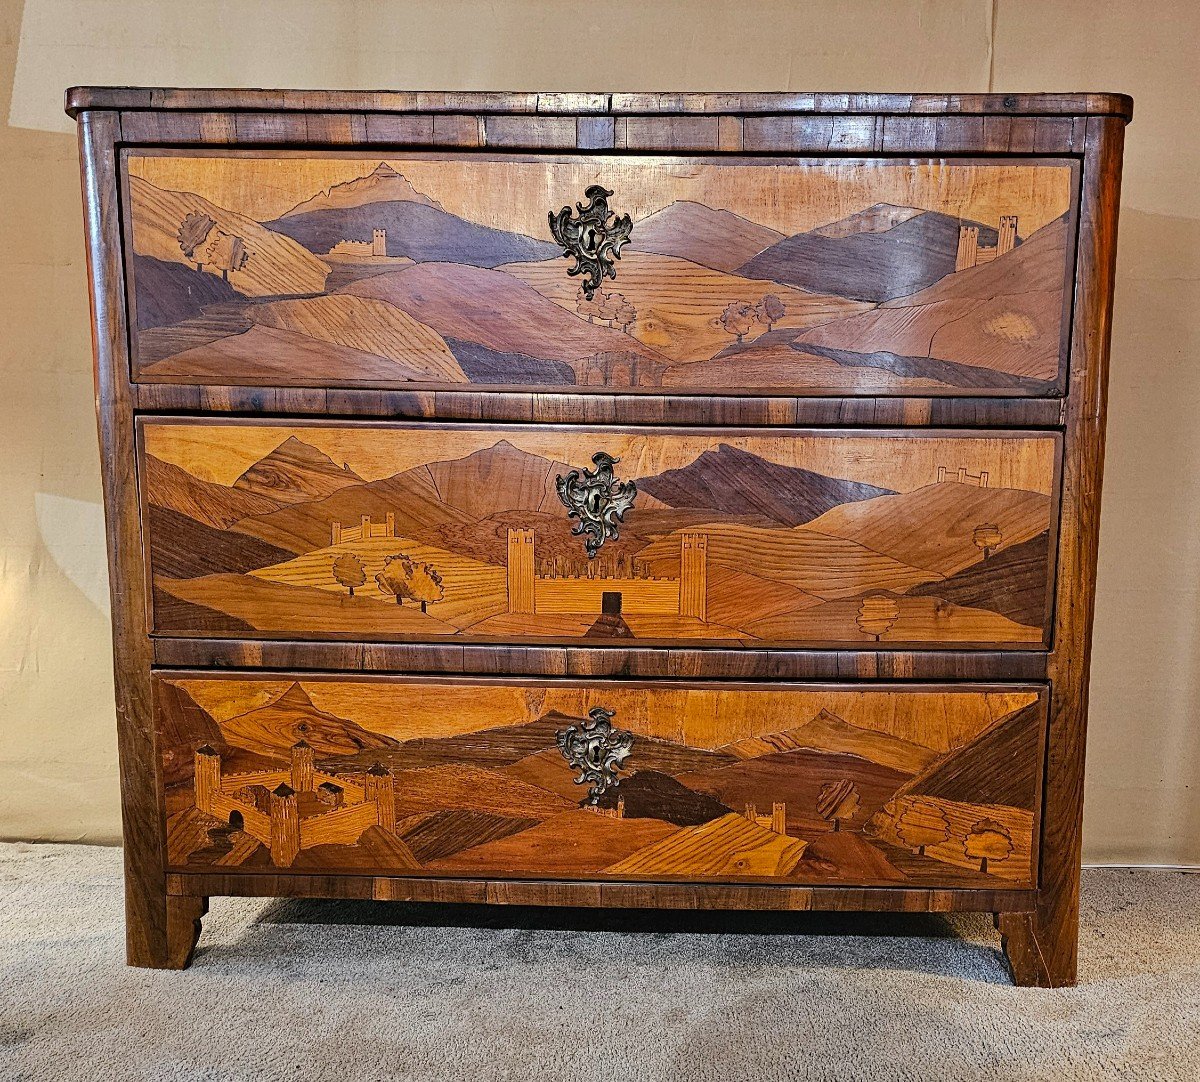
(657, 536)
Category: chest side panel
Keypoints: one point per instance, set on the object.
(871, 276)
(871, 785)
(561, 534)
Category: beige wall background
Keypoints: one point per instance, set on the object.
(58, 769)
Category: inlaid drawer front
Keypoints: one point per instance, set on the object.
(658, 536)
(871, 785)
(659, 275)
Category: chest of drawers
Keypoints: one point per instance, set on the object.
(620, 500)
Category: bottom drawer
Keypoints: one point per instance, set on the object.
(706, 781)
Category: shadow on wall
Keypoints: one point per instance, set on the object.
(1144, 756)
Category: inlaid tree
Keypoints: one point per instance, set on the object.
(625, 315)
(838, 801)
(987, 537)
(738, 318)
(227, 252)
(876, 615)
(922, 823)
(769, 311)
(348, 569)
(610, 306)
(404, 578)
(193, 235)
(591, 310)
(988, 841)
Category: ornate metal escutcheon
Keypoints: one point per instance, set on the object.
(597, 499)
(591, 237)
(597, 750)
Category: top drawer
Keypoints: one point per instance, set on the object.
(718, 275)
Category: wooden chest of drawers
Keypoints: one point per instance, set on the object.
(632, 500)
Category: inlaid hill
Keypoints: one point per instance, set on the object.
(829, 567)
(731, 845)
(1003, 315)
(444, 833)
(774, 361)
(277, 265)
(797, 778)
(867, 264)
(296, 472)
(170, 292)
(471, 590)
(919, 620)
(292, 717)
(254, 602)
(496, 747)
(498, 478)
(653, 794)
(877, 219)
(1012, 582)
(171, 487)
(740, 483)
(999, 766)
(384, 184)
(947, 513)
(718, 239)
(337, 338)
(574, 843)
(185, 548)
(421, 232)
(826, 732)
(679, 303)
(369, 326)
(465, 302)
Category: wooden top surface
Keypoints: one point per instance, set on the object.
(81, 98)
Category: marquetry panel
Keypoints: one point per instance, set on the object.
(872, 785)
(745, 276)
(734, 537)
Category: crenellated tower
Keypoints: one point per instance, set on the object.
(693, 575)
(520, 570)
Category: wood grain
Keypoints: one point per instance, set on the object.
(153, 932)
(634, 409)
(173, 99)
(1042, 947)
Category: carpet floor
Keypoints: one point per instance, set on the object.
(360, 991)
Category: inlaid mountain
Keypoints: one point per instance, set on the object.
(292, 717)
(382, 184)
(739, 483)
(174, 489)
(420, 231)
(868, 264)
(829, 733)
(296, 472)
(718, 239)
